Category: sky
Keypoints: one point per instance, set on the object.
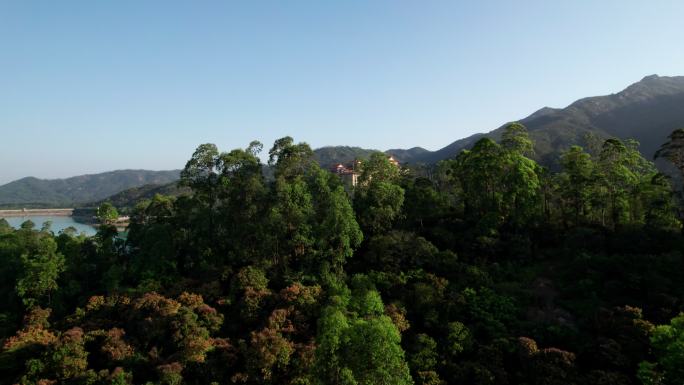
(91, 86)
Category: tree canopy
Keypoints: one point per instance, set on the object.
(485, 269)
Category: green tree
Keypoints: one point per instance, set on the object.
(673, 150)
(668, 344)
(311, 222)
(220, 222)
(378, 198)
(5, 227)
(498, 185)
(40, 271)
(28, 225)
(107, 214)
(152, 240)
(516, 139)
(358, 347)
(576, 181)
(620, 174)
(423, 204)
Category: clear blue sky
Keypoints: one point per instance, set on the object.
(91, 86)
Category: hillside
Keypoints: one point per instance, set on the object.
(34, 192)
(127, 199)
(332, 155)
(646, 111)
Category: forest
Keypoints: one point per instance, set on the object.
(485, 269)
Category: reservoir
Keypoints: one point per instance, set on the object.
(59, 223)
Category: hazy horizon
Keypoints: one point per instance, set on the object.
(89, 88)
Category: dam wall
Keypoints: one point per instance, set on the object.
(44, 212)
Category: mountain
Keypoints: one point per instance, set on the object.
(34, 192)
(412, 155)
(329, 156)
(127, 199)
(647, 111)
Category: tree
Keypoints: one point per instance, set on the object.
(576, 181)
(311, 222)
(28, 225)
(423, 204)
(107, 214)
(5, 227)
(200, 171)
(378, 198)
(516, 139)
(220, 221)
(619, 173)
(152, 240)
(242, 204)
(40, 271)
(498, 186)
(673, 150)
(358, 347)
(290, 159)
(379, 168)
(668, 343)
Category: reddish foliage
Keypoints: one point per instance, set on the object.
(115, 347)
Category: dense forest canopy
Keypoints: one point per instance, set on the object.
(488, 269)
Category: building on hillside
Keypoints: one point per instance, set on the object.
(350, 173)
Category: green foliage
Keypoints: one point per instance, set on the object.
(516, 139)
(361, 347)
(107, 214)
(498, 186)
(378, 198)
(576, 182)
(40, 271)
(424, 275)
(668, 342)
(673, 149)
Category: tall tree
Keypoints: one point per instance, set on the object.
(673, 149)
(498, 185)
(312, 224)
(576, 180)
(515, 138)
(40, 270)
(357, 344)
(378, 197)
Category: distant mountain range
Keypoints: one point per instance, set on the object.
(646, 111)
(34, 192)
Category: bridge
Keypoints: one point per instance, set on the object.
(30, 212)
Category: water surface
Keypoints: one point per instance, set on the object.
(59, 223)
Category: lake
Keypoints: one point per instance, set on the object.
(59, 223)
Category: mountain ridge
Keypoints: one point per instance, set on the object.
(35, 192)
(648, 111)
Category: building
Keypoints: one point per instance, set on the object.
(350, 173)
